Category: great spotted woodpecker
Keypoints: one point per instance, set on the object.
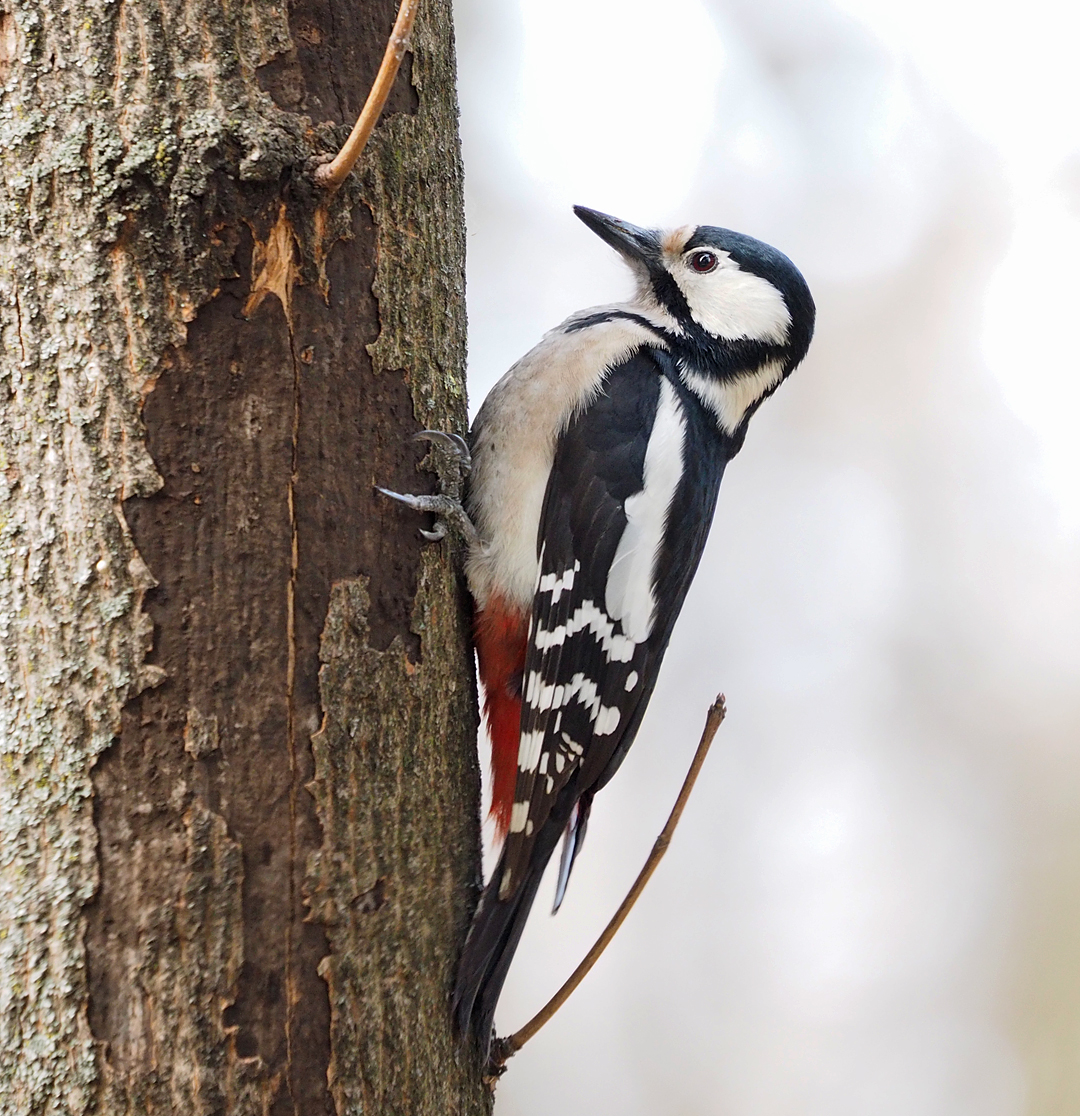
(596, 463)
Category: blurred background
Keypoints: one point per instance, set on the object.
(872, 906)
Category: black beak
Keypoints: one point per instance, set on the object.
(642, 245)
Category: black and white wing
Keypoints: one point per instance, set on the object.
(626, 513)
(625, 518)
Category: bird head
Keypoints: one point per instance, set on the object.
(740, 307)
(723, 283)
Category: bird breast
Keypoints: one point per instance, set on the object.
(514, 439)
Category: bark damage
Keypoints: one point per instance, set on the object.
(199, 911)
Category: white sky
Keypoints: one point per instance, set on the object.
(855, 915)
(584, 112)
(602, 81)
(1010, 72)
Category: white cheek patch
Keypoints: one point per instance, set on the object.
(629, 592)
(735, 305)
(729, 400)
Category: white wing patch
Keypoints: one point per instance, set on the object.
(729, 400)
(519, 815)
(555, 584)
(529, 749)
(587, 617)
(539, 696)
(629, 593)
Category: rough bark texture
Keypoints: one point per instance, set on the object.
(238, 796)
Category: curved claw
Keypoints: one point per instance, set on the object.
(453, 442)
(446, 507)
(406, 498)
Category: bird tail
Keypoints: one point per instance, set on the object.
(494, 936)
(573, 839)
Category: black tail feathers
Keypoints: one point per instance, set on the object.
(494, 936)
(489, 950)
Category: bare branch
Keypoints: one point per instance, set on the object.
(331, 175)
(505, 1048)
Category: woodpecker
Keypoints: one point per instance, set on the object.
(595, 467)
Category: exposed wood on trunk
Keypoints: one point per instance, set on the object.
(204, 373)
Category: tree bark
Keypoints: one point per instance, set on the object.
(239, 834)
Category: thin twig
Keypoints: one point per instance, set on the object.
(505, 1048)
(333, 174)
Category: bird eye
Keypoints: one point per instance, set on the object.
(703, 261)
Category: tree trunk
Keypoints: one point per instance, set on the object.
(238, 792)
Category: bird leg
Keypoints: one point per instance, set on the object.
(453, 461)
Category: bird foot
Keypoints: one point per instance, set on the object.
(445, 507)
(453, 461)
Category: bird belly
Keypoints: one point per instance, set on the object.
(513, 446)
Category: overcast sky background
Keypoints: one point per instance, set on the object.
(872, 906)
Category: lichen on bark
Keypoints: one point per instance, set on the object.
(384, 885)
